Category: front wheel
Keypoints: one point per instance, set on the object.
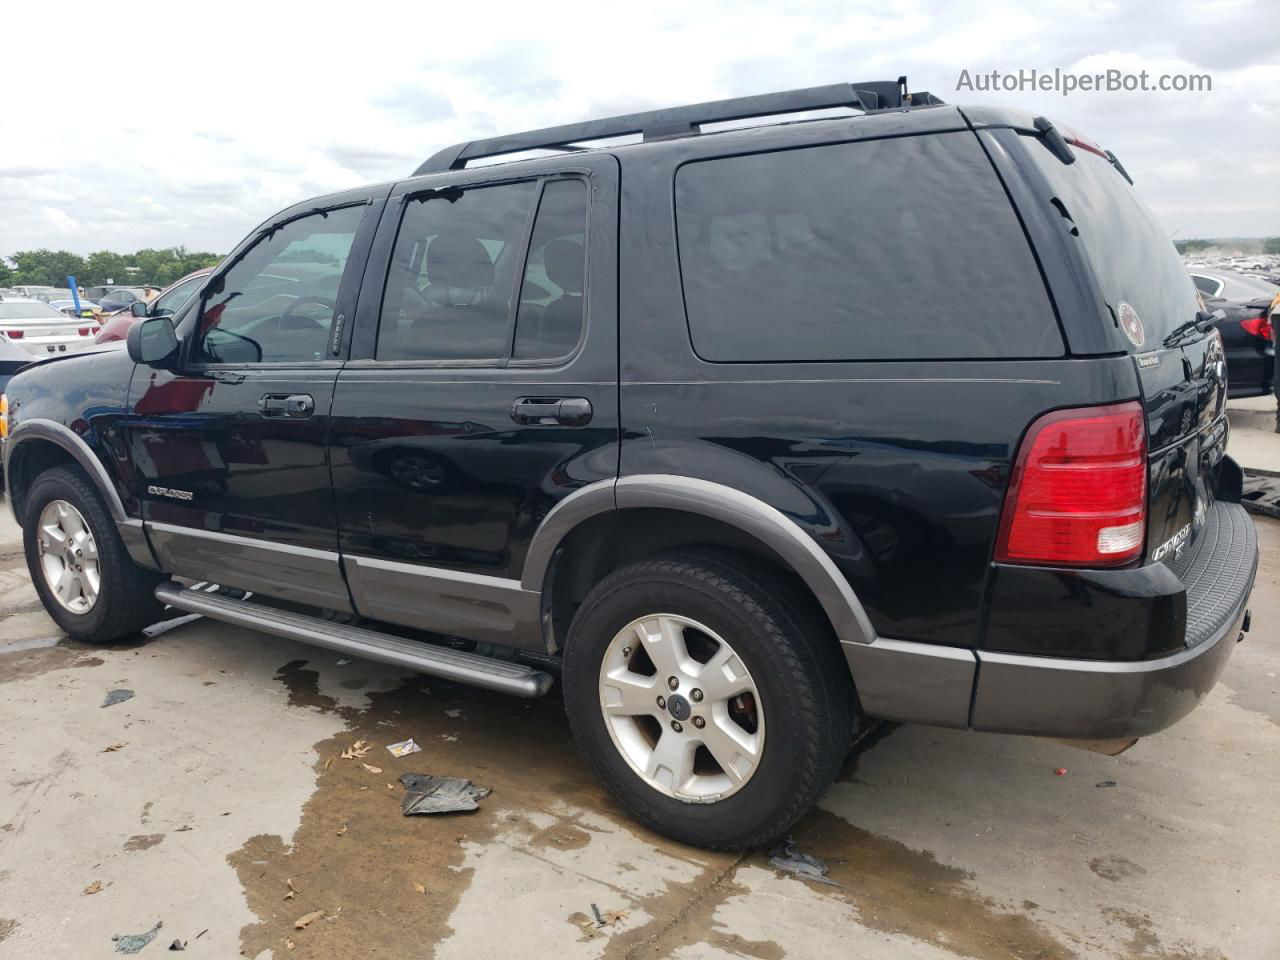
(709, 695)
(80, 568)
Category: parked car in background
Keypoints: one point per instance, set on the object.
(12, 359)
(42, 329)
(1245, 328)
(170, 300)
(88, 309)
(120, 298)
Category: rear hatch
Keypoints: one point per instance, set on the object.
(1153, 308)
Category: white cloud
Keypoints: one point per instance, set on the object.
(212, 121)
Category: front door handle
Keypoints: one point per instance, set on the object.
(297, 406)
(565, 411)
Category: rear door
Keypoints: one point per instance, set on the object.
(229, 445)
(1146, 295)
(482, 390)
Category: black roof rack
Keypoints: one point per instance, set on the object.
(682, 121)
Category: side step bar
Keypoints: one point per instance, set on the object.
(500, 675)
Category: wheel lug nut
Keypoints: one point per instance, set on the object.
(662, 703)
(626, 651)
(675, 725)
(673, 683)
(699, 722)
(695, 695)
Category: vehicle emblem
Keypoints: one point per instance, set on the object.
(170, 492)
(1131, 325)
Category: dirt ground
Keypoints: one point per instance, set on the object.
(217, 802)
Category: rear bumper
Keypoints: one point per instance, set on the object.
(1095, 699)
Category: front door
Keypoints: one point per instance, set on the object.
(481, 390)
(229, 446)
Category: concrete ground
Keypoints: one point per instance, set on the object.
(217, 801)
(1254, 441)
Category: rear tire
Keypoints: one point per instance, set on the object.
(85, 577)
(772, 726)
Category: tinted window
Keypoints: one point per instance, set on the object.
(888, 249)
(452, 278)
(1206, 285)
(552, 301)
(1132, 255)
(277, 302)
(169, 303)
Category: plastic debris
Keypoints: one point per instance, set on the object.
(1060, 772)
(307, 919)
(133, 942)
(403, 748)
(1106, 783)
(786, 856)
(427, 794)
(178, 945)
(117, 696)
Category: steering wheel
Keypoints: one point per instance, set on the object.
(287, 317)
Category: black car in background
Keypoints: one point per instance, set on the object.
(1246, 329)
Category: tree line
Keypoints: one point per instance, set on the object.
(50, 268)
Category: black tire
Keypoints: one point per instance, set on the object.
(126, 597)
(786, 644)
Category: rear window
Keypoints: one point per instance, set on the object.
(881, 250)
(1132, 256)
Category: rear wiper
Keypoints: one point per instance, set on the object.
(1203, 323)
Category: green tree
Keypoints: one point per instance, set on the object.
(47, 268)
(104, 267)
(1271, 245)
(6, 273)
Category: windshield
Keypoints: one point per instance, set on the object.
(48, 296)
(30, 310)
(1132, 255)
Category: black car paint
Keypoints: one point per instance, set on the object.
(897, 470)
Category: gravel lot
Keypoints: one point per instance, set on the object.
(228, 791)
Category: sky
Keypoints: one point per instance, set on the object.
(180, 124)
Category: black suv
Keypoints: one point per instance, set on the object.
(908, 413)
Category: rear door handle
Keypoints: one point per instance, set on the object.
(297, 406)
(565, 411)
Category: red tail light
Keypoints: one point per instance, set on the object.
(84, 331)
(15, 334)
(1078, 493)
(1259, 326)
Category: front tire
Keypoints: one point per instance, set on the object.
(85, 577)
(709, 695)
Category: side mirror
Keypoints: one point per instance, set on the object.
(152, 342)
(138, 308)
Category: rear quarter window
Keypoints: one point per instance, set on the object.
(880, 250)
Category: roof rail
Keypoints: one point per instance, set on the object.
(682, 121)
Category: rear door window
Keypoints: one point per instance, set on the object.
(881, 250)
(1132, 255)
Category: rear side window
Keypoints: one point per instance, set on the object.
(882, 250)
(1132, 256)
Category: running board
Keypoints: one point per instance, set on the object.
(500, 675)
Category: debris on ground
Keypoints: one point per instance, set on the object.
(133, 942)
(403, 748)
(420, 888)
(178, 945)
(786, 856)
(202, 933)
(328, 762)
(357, 751)
(95, 887)
(117, 696)
(307, 919)
(343, 830)
(1106, 783)
(1060, 772)
(371, 768)
(293, 891)
(599, 920)
(425, 793)
(113, 747)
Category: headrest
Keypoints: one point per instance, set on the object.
(458, 260)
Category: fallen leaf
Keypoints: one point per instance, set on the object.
(112, 748)
(292, 890)
(356, 751)
(95, 887)
(614, 916)
(307, 919)
(371, 768)
(420, 888)
(343, 830)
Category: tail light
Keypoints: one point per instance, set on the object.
(1259, 326)
(4, 417)
(15, 334)
(1078, 493)
(83, 331)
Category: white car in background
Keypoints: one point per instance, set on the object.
(43, 330)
